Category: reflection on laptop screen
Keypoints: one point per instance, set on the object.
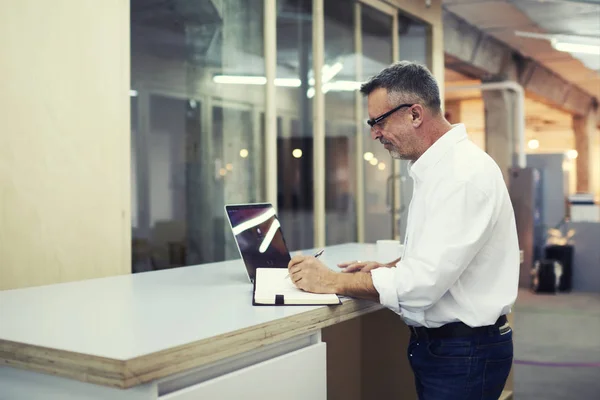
(258, 236)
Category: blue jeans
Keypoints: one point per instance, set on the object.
(465, 368)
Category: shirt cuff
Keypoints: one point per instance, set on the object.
(384, 281)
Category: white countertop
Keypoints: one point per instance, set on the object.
(129, 316)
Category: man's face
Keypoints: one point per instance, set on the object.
(395, 132)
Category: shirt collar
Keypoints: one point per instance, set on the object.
(420, 168)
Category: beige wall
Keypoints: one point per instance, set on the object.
(473, 116)
(64, 141)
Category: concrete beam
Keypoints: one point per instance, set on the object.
(579, 102)
(481, 56)
(546, 84)
(460, 38)
(464, 68)
(491, 55)
(470, 46)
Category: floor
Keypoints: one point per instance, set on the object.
(557, 347)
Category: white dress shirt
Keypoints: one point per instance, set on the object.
(461, 251)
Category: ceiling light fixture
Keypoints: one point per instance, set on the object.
(255, 80)
(575, 47)
(533, 144)
(566, 43)
(341, 86)
(328, 73)
(240, 79)
(572, 154)
(288, 82)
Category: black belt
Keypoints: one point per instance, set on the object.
(456, 329)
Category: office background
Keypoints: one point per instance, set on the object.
(128, 126)
(140, 120)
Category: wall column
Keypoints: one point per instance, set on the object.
(65, 148)
(595, 164)
(584, 128)
(499, 127)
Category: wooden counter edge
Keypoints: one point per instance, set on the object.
(82, 367)
(128, 373)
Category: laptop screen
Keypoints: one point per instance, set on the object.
(258, 235)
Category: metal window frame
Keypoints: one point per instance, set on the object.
(396, 194)
(270, 57)
(318, 39)
(358, 104)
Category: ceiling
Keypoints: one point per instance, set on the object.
(580, 19)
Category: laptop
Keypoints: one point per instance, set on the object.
(258, 236)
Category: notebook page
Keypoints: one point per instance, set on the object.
(273, 281)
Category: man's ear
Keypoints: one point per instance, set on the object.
(417, 114)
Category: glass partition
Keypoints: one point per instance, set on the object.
(295, 90)
(339, 88)
(413, 39)
(197, 74)
(198, 78)
(377, 54)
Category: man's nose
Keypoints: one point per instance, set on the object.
(375, 134)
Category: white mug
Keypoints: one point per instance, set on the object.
(389, 250)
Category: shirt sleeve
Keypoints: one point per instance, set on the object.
(457, 224)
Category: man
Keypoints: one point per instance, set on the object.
(458, 276)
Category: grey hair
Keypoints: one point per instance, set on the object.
(407, 80)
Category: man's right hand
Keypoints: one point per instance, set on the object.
(364, 266)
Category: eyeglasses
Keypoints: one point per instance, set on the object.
(375, 121)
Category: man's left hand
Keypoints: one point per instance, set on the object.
(311, 275)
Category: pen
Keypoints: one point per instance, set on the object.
(317, 255)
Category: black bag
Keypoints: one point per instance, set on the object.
(544, 276)
(564, 255)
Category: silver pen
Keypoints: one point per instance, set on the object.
(317, 255)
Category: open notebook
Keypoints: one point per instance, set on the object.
(271, 287)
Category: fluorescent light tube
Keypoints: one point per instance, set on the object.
(577, 48)
(240, 79)
(344, 85)
(287, 82)
(338, 86)
(255, 80)
(330, 71)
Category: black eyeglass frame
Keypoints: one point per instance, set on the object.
(374, 121)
